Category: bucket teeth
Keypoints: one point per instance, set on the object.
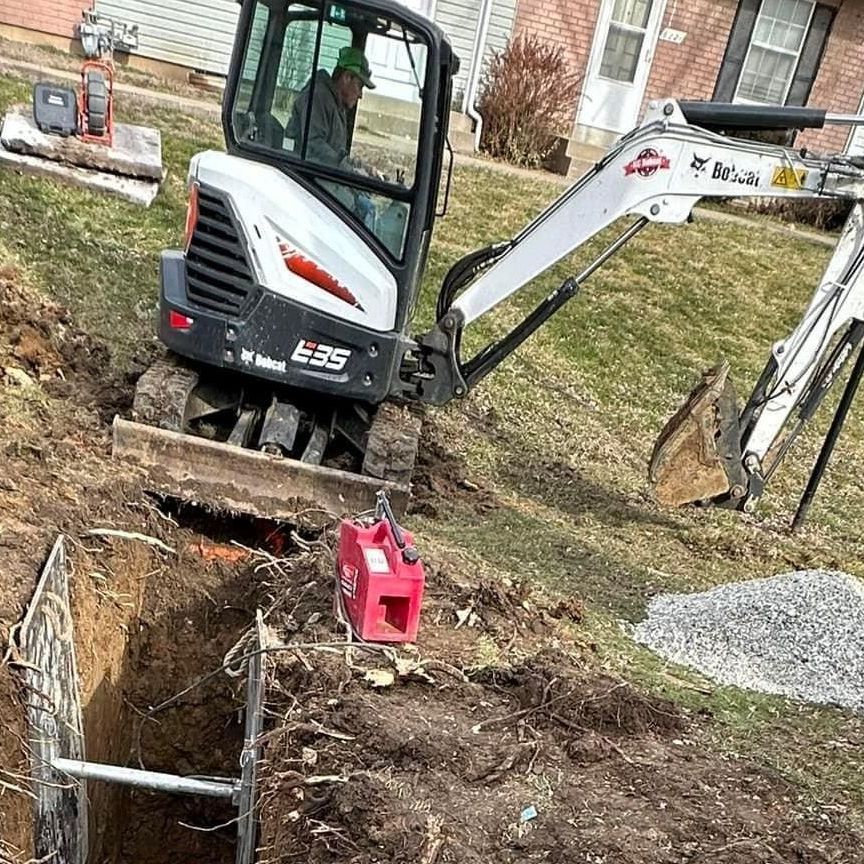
(697, 456)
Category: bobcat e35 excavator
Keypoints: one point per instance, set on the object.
(293, 380)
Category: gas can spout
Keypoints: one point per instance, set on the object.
(410, 555)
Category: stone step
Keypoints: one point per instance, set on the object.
(461, 142)
(578, 167)
(378, 104)
(578, 151)
(377, 117)
(601, 138)
(460, 122)
(383, 123)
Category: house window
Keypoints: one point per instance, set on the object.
(775, 49)
(624, 40)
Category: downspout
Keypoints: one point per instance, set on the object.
(473, 82)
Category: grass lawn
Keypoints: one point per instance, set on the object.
(560, 435)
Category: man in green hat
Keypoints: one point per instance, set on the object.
(334, 96)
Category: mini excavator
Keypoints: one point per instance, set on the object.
(292, 378)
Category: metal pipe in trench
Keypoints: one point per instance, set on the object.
(146, 779)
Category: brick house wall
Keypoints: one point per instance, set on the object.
(839, 82)
(55, 17)
(690, 70)
(568, 24)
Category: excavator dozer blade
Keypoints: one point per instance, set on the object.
(697, 456)
(234, 479)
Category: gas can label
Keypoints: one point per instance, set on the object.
(376, 561)
(348, 580)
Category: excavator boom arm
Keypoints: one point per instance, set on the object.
(658, 173)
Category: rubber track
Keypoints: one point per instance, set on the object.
(391, 448)
(162, 393)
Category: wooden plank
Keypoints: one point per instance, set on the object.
(245, 481)
(54, 715)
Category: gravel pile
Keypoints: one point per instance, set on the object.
(799, 635)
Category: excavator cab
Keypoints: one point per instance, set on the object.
(286, 314)
(376, 162)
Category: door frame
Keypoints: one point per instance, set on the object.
(604, 17)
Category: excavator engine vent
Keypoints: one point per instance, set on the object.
(219, 276)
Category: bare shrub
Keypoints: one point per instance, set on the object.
(528, 98)
(825, 214)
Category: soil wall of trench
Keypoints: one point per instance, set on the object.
(497, 738)
(147, 622)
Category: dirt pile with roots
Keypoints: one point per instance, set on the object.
(420, 756)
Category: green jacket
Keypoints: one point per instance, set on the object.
(328, 126)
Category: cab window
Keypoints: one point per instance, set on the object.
(323, 86)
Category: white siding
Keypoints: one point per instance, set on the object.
(458, 19)
(200, 33)
(188, 32)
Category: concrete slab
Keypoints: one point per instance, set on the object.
(136, 152)
(129, 188)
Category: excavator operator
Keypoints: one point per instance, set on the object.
(333, 97)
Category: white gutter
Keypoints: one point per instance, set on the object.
(473, 82)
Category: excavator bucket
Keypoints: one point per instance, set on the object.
(697, 456)
(224, 477)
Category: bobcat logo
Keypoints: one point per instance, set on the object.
(698, 164)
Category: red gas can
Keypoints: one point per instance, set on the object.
(381, 579)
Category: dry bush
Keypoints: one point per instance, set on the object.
(825, 214)
(528, 98)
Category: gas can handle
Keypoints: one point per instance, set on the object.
(383, 510)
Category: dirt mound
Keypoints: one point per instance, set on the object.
(546, 689)
(416, 758)
(56, 397)
(55, 406)
(43, 340)
(441, 480)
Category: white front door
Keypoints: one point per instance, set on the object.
(391, 63)
(620, 61)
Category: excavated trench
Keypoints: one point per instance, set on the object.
(496, 739)
(147, 625)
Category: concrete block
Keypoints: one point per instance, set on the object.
(136, 152)
(461, 142)
(132, 189)
(460, 122)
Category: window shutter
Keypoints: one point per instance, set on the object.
(811, 55)
(736, 50)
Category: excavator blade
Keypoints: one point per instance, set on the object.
(697, 456)
(225, 477)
